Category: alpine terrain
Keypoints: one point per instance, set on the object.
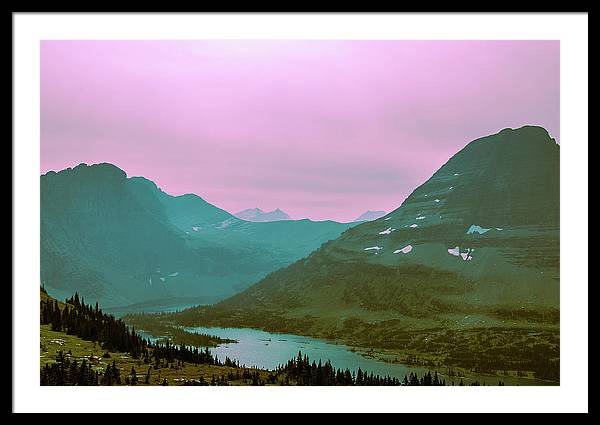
(468, 263)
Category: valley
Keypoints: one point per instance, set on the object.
(462, 278)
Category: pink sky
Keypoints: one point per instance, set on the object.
(320, 129)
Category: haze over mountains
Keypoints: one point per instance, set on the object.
(258, 215)
(480, 236)
(122, 240)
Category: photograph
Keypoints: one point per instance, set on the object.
(300, 212)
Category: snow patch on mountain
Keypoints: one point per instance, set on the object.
(454, 251)
(404, 250)
(477, 229)
(481, 230)
(466, 256)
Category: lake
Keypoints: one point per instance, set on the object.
(266, 350)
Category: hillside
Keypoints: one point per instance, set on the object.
(476, 247)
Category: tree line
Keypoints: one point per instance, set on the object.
(304, 372)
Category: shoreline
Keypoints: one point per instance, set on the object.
(384, 356)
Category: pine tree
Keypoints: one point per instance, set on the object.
(133, 379)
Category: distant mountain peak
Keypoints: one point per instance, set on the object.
(370, 215)
(258, 215)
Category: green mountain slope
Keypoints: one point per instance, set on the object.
(122, 240)
(475, 245)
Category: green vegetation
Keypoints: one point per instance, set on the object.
(59, 351)
(521, 349)
(73, 334)
(68, 360)
(421, 317)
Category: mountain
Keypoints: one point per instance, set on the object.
(370, 215)
(123, 240)
(475, 245)
(258, 215)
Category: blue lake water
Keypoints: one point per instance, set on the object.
(269, 350)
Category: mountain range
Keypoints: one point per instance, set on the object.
(122, 241)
